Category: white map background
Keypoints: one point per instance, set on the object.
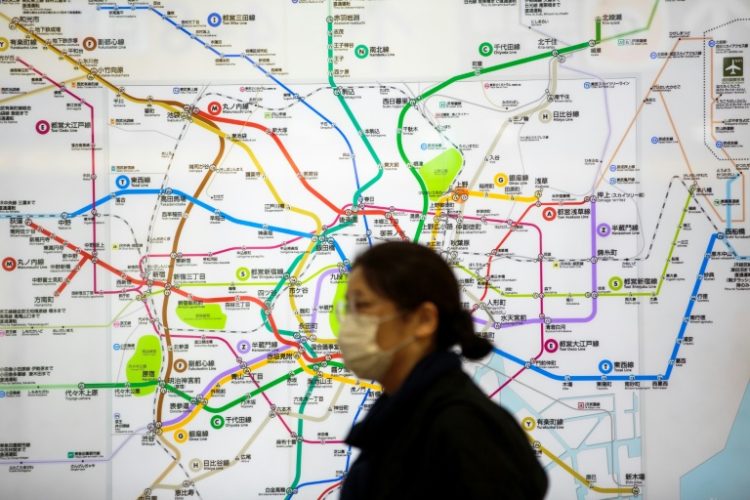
(185, 183)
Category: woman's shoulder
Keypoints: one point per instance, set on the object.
(456, 399)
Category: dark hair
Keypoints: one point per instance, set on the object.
(410, 274)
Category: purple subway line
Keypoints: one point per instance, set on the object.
(124, 290)
(255, 360)
(222, 375)
(318, 287)
(594, 299)
(559, 320)
(75, 460)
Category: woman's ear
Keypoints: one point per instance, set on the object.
(425, 319)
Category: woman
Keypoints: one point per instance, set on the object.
(432, 433)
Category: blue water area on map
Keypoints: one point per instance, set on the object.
(725, 475)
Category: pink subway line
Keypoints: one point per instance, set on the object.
(217, 252)
(93, 156)
(152, 320)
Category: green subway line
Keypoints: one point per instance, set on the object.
(78, 327)
(639, 30)
(318, 273)
(282, 281)
(230, 283)
(253, 393)
(350, 114)
(483, 71)
(442, 85)
(173, 389)
(272, 296)
(119, 385)
(601, 293)
(300, 423)
(180, 393)
(336, 364)
(31, 387)
(674, 240)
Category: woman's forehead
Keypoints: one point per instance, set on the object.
(357, 284)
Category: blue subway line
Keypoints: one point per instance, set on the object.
(267, 74)
(348, 454)
(732, 250)
(728, 218)
(313, 483)
(631, 377)
(728, 209)
(354, 421)
(196, 201)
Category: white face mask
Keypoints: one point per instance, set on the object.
(359, 346)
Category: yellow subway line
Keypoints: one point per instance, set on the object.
(198, 407)
(40, 90)
(339, 378)
(576, 474)
(501, 196)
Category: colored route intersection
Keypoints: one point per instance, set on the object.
(186, 185)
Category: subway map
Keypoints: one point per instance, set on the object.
(186, 184)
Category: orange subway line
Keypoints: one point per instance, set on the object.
(296, 169)
(178, 291)
(684, 155)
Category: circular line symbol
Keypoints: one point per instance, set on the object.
(9, 264)
(180, 365)
(180, 435)
(549, 214)
(214, 19)
(605, 366)
(214, 108)
(501, 179)
(615, 283)
(242, 273)
(89, 43)
(485, 49)
(217, 422)
(528, 424)
(603, 229)
(243, 346)
(122, 181)
(42, 127)
(551, 345)
(4, 44)
(361, 51)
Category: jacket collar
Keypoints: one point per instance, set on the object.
(389, 409)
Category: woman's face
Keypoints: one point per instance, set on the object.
(362, 299)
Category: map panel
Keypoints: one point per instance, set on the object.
(186, 184)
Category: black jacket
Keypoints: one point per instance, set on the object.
(439, 436)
